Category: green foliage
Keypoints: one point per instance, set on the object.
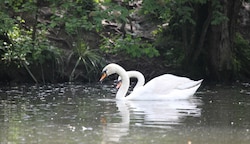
(180, 12)
(170, 48)
(185, 13)
(218, 16)
(183, 10)
(73, 15)
(26, 45)
(180, 17)
(89, 58)
(24, 49)
(113, 12)
(108, 11)
(242, 54)
(158, 9)
(174, 56)
(166, 10)
(133, 46)
(6, 22)
(29, 43)
(87, 15)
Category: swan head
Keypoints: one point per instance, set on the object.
(119, 83)
(109, 70)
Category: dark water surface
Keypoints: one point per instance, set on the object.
(86, 114)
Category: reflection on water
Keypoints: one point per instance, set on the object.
(113, 131)
(164, 114)
(67, 113)
(158, 114)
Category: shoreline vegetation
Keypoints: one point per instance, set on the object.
(71, 41)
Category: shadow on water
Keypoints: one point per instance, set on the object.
(72, 113)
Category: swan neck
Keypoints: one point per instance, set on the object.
(139, 76)
(140, 80)
(125, 83)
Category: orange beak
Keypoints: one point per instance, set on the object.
(104, 75)
(119, 84)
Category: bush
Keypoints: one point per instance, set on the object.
(132, 46)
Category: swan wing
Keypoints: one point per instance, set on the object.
(166, 87)
(189, 84)
(166, 83)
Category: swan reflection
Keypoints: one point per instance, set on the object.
(163, 114)
(113, 131)
(160, 114)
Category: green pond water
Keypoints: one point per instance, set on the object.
(89, 114)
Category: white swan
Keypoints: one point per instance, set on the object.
(164, 87)
(133, 74)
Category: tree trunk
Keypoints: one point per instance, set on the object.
(220, 43)
(212, 50)
(220, 53)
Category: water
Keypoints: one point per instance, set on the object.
(84, 114)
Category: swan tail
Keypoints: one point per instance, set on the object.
(190, 85)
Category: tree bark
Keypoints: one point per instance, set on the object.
(220, 42)
(212, 51)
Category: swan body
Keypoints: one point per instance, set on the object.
(133, 74)
(164, 87)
